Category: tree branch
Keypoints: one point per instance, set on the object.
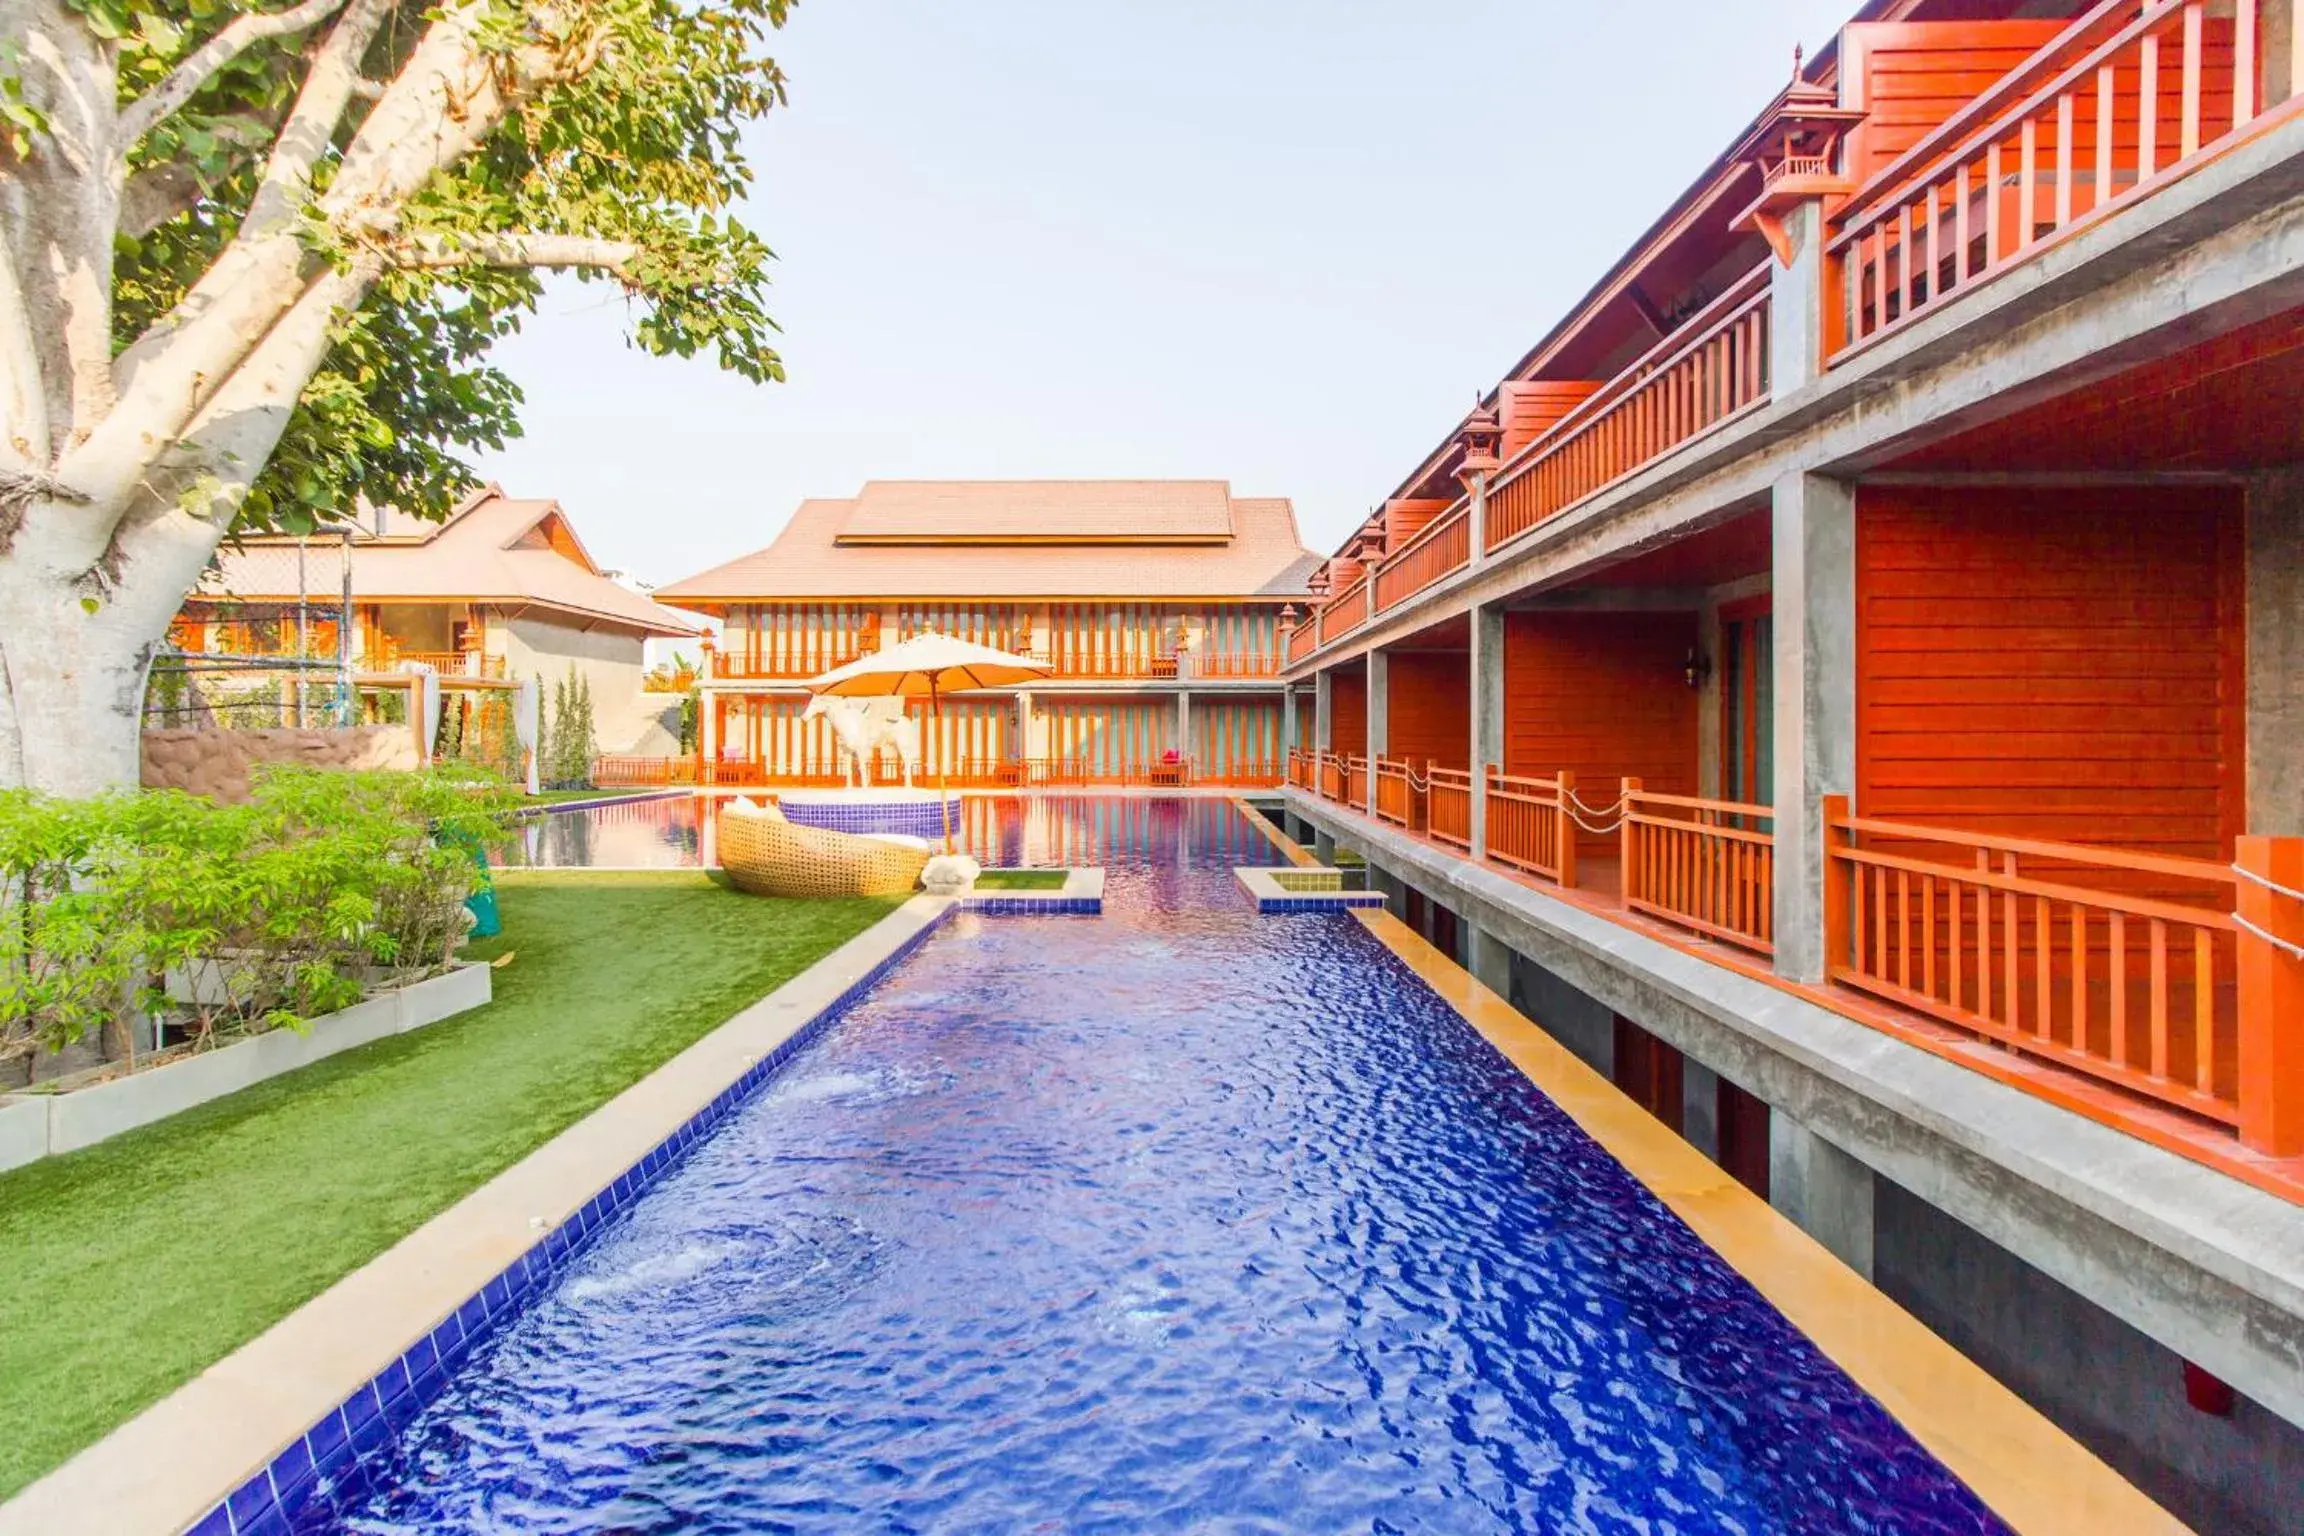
(200, 66)
(444, 253)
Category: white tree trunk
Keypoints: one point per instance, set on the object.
(71, 690)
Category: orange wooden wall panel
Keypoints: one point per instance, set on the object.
(1917, 74)
(2062, 664)
(1348, 713)
(1604, 695)
(1429, 713)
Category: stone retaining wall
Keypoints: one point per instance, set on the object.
(218, 763)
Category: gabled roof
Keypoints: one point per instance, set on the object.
(492, 548)
(1022, 539)
(1039, 512)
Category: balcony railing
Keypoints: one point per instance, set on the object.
(1706, 374)
(2133, 96)
(1330, 768)
(643, 772)
(1400, 793)
(1441, 549)
(2121, 965)
(446, 663)
(1529, 827)
(1303, 770)
(1705, 865)
(790, 662)
(1448, 813)
(1346, 612)
(1235, 665)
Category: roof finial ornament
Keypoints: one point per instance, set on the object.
(1799, 62)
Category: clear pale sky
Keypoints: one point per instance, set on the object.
(1279, 242)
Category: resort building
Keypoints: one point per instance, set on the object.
(501, 590)
(1161, 608)
(1846, 681)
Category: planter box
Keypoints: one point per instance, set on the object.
(33, 1126)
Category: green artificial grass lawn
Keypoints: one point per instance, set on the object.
(1023, 879)
(129, 1267)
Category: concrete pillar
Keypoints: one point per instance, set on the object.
(1476, 517)
(1824, 1191)
(1024, 726)
(1586, 1026)
(1184, 724)
(1796, 305)
(1711, 701)
(1700, 1107)
(2276, 653)
(1323, 714)
(1394, 888)
(1487, 714)
(1288, 742)
(1379, 717)
(1815, 742)
(1323, 848)
(1490, 961)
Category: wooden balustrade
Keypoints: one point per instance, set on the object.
(446, 663)
(1443, 548)
(1529, 828)
(1303, 640)
(622, 772)
(1231, 664)
(1705, 865)
(2126, 966)
(2134, 95)
(1356, 781)
(1448, 813)
(1399, 795)
(1707, 373)
(1303, 771)
(1331, 769)
(1346, 611)
(788, 655)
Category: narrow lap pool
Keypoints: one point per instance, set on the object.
(1174, 1220)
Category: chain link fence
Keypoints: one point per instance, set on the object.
(267, 639)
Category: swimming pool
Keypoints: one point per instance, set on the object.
(1174, 1220)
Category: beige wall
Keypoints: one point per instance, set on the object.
(629, 720)
(217, 764)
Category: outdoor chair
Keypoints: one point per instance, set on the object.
(763, 853)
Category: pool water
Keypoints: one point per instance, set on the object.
(1177, 1219)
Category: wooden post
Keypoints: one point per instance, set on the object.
(2271, 995)
(1627, 843)
(1564, 830)
(1833, 809)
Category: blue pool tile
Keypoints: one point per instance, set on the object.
(250, 1499)
(362, 1409)
(217, 1522)
(329, 1443)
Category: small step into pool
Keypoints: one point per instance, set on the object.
(1173, 1220)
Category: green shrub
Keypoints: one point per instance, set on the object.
(273, 912)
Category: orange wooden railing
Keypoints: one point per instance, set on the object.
(2126, 966)
(1346, 611)
(1400, 793)
(643, 772)
(2134, 95)
(789, 655)
(1304, 639)
(1356, 780)
(1441, 549)
(1529, 827)
(446, 663)
(1331, 777)
(1705, 865)
(1707, 373)
(1449, 807)
(1222, 664)
(1302, 772)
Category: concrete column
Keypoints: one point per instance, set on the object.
(1824, 1191)
(1796, 302)
(1379, 717)
(1394, 888)
(1700, 1107)
(1024, 725)
(1476, 518)
(1815, 743)
(1184, 724)
(1490, 960)
(1324, 848)
(1323, 715)
(1487, 714)
(1288, 741)
(1711, 701)
(2276, 653)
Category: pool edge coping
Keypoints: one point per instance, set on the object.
(165, 1469)
(2026, 1470)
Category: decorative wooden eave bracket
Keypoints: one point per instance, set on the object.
(1796, 146)
(1480, 436)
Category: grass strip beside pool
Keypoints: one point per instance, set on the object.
(1022, 879)
(134, 1265)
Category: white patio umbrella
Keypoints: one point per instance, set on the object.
(929, 666)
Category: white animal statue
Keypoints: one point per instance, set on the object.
(863, 727)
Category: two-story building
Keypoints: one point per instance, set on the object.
(1846, 680)
(1160, 606)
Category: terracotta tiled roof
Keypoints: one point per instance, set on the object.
(492, 549)
(1044, 511)
(1262, 557)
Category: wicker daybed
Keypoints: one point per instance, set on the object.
(765, 854)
